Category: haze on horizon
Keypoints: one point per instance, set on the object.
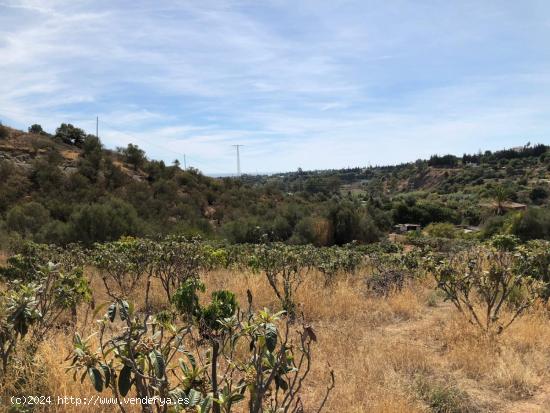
(304, 84)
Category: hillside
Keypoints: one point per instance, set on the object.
(67, 187)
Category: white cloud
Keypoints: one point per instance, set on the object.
(311, 84)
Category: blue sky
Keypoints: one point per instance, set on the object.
(311, 84)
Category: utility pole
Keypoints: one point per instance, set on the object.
(97, 127)
(238, 160)
(184, 163)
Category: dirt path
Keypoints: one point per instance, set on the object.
(415, 332)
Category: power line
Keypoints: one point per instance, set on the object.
(187, 160)
(163, 148)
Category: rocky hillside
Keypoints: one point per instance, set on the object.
(23, 148)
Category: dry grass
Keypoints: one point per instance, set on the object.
(380, 350)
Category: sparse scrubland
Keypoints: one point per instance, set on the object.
(373, 317)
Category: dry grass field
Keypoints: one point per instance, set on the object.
(410, 352)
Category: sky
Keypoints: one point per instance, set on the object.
(313, 84)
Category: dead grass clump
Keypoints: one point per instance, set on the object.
(239, 283)
(341, 301)
(531, 332)
(514, 377)
(406, 358)
(405, 305)
(394, 404)
(443, 396)
(513, 364)
(466, 348)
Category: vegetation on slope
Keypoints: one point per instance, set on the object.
(66, 187)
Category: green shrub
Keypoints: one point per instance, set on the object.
(4, 132)
(504, 242)
(538, 194)
(133, 155)
(37, 129)
(69, 134)
(27, 219)
(532, 224)
(104, 222)
(444, 397)
(481, 282)
(441, 230)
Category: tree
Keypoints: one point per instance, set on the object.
(207, 362)
(483, 282)
(351, 224)
(449, 161)
(441, 230)
(122, 264)
(27, 219)
(89, 163)
(42, 284)
(104, 222)
(133, 155)
(304, 232)
(532, 224)
(36, 128)
(500, 195)
(178, 260)
(3, 131)
(538, 194)
(284, 267)
(70, 134)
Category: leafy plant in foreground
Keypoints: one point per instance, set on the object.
(30, 309)
(213, 357)
(283, 266)
(483, 282)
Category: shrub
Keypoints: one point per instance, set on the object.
(36, 297)
(133, 155)
(482, 282)
(441, 230)
(538, 194)
(36, 128)
(104, 221)
(504, 242)
(494, 225)
(4, 132)
(69, 134)
(209, 368)
(27, 219)
(532, 224)
(444, 397)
